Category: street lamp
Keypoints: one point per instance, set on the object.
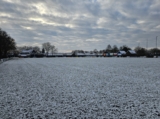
(156, 46)
(156, 42)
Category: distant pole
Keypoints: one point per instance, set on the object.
(147, 44)
(156, 42)
(156, 46)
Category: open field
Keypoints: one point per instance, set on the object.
(80, 87)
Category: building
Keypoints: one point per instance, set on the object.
(89, 54)
(27, 53)
(68, 54)
(121, 53)
(131, 53)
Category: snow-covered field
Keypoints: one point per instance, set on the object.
(111, 88)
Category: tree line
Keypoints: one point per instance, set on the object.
(46, 48)
(114, 49)
(7, 44)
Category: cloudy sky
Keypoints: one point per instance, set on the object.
(82, 24)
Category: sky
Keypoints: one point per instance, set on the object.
(82, 24)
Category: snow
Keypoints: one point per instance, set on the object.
(132, 51)
(122, 52)
(80, 88)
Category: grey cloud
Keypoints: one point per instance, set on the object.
(85, 24)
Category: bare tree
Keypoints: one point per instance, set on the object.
(115, 49)
(53, 49)
(47, 47)
(35, 48)
(140, 51)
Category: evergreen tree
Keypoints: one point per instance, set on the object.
(43, 51)
(125, 48)
(7, 44)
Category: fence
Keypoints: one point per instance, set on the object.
(4, 59)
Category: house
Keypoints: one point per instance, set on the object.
(131, 53)
(121, 53)
(99, 54)
(78, 54)
(68, 54)
(114, 54)
(89, 54)
(107, 54)
(27, 53)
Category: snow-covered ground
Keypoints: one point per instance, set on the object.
(46, 88)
